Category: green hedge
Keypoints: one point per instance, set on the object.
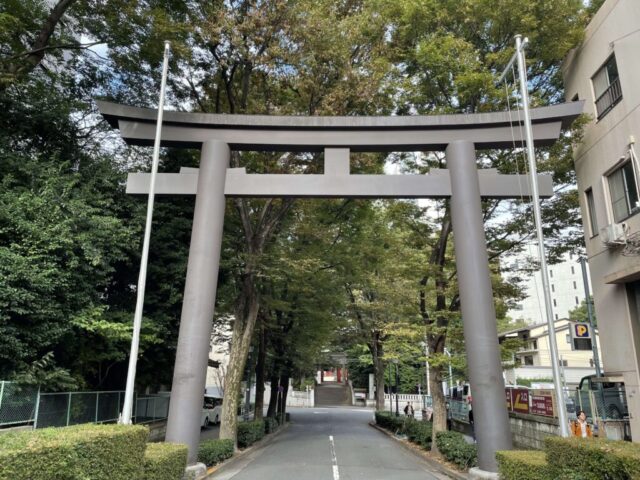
(454, 448)
(212, 452)
(523, 465)
(592, 459)
(74, 453)
(164, 461)
(270, 424)
(416, 431)
(389, 421)
(250, 432)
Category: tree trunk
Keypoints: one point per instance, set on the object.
(260, 371)
(438, 400)
(243, 325)
(273, 399)
(376, 349)
(284, 383)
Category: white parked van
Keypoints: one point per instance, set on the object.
(211, 411)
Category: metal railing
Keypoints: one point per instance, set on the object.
(609, 98)
(423, 401)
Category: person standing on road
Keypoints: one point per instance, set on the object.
(580, 427)
(406, 409)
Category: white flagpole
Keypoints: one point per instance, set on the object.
(127, 409)
(535, 200)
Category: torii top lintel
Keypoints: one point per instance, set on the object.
(337, 137)
(359, 134)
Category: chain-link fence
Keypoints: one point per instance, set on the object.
(18, 403)
(152, 408)
(24, 404)
(72, 408)
(604, 404)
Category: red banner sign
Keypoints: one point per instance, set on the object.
(519, 400)
(542, 404)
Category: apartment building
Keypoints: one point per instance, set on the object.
(605, 72)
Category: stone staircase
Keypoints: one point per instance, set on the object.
(332, 394)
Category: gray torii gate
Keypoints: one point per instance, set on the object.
(457, 135)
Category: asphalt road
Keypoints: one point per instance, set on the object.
(331, 444)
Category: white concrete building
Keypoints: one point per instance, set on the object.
(605, 72)
(533, 360)
(566, 284)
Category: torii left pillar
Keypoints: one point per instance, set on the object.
(189, 378)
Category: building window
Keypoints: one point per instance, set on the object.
(575, 286)
(556, 316)
(528, 360)
(591, 211)
(573, 270)
(553, 287)
(623, 191)
(534, 344)
(551, 273)
(577, 301)
(554, 303)
(568, 337)
(606, 87)
(564, 363)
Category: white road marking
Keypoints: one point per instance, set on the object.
(334, 459)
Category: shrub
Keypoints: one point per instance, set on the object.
(270, 424)
(250, 432)
(592, 459)
(389, 421)
(418, 432)
(523, 465)
(212, 452)
(164, 461)
(454, 448)
(78, 452)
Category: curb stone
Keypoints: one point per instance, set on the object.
(243, 453)
(422, 454)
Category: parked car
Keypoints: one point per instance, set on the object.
(211, 411)
(606, 394)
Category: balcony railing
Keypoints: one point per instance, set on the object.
(609, 98)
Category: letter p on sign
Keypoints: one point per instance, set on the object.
(582, 331)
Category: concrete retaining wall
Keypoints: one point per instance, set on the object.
(529, 431)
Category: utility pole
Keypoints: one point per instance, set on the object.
(587, 299)
(535, 200)
(448, 353)
(127, 409)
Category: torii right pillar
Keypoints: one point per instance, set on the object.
(478, 312)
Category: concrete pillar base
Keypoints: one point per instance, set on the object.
(195, 472)
(476, 474)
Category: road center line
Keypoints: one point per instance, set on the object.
(334, 459)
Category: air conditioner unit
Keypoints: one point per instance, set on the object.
(614, 234)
